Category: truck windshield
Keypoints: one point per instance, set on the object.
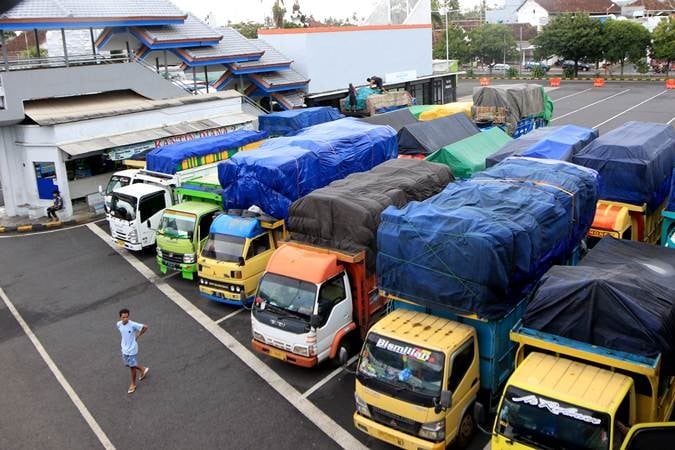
(401, 366)
(116, 181)
(286, 293)
(123, 207)
(177, 224)
(224, 247)
(546, 423)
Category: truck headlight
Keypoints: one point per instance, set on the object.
(133, 236)
(258, 337)
(189, 258)
(301, 350)
(361, 406)
(434, 431)
(159, 252)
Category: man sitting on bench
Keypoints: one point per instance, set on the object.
(57, 206)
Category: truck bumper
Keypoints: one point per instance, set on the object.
(394, 437)
(128, 245)
(187, 271)
(227, 298)
(302, 361)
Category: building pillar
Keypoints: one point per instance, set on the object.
(65, 48)
(5, 59)
(194, 79)
(206, 78)
(166, 66)
(37, 42)
(93, 42)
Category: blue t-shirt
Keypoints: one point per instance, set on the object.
(128, 332)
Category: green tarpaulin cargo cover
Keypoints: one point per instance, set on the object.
(467, 156)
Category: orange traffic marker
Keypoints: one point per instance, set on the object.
(484, 81)
(554, 82)
(670, 83)
(598, 82)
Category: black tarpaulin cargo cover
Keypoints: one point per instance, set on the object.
(346, 213)
(426, 137)
(396, 119)
(621, 296)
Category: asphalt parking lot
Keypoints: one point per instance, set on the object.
(64, 382)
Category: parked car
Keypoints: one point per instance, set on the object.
(529, 65)
(569, 64)
(500, 67)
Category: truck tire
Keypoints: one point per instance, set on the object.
(466, 430)
(342, 354)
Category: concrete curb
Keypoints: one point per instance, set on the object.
(658, 80)
(34, 227)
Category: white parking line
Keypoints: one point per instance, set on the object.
(232, 314)
(334, 431)
(588, 106)
(327, 378)
(670, 121)
(571, 95)
(626, 110)
(98, 431)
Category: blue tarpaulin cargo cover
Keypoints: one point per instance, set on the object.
(559, 142)
(635, 162)
(165, 159)
(288, 123)
(285, 169)
(479, 245)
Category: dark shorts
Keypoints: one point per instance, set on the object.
(129, 360)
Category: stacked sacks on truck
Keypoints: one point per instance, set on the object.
(345, 214)
(635, 163)
(479, 245)
(438, 111)
(289, 123)
(285, 169)
(173, 158)
(516, 108)
(559, 142)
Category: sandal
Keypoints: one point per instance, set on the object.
(131, 390)
(145, 372)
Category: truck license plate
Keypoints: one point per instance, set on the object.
(278, 354)
(119, 242)
(390, 438)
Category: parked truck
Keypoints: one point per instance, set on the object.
(635, 162)
(668, 226)
(595, 352)
(457, 271)
(235, 254)
(318, 295)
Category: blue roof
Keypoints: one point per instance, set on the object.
(245, 227)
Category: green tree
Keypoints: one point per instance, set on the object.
(571, 36)
(278, 13)
(492, 42)
(247, 29)
(625, 41)
(458, 47)
(663, 45)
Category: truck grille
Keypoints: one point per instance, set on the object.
(394, 421)
(172, 257)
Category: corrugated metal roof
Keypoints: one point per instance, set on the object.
(232, 45)
(271, 57)
(280, 78)
(290, 100)
(136, 137)
(192, 29)
(71, 109)
(73, 10)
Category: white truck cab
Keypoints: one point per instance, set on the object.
(118, 180)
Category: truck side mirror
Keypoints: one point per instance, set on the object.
(479, 413)
(241, 261)
(314, 320)
(444, 403)
(149, 224)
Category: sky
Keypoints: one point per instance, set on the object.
(256, 10)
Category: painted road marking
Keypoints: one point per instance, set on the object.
(632, 107)
(670, 121)
(334, 431)
(232, 314)
(588, 106)
(571, 95)
(98, 431)
(327, 378)
(33, 233)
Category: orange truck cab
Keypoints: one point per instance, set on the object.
(311, 302)
(625, 221)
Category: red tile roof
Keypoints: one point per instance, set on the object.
(587, 6)
(654, 5)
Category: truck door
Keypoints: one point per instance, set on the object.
(462, 382)
(150, 211)
(335, 311)
(203, 231)
(257, 255)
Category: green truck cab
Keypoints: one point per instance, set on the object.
(236, 254)
(182, 233)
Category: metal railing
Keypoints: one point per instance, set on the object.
(44, 62)
(249, 101)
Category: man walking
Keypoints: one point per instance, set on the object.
(130, 332)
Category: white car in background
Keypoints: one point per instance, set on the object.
(500, 67)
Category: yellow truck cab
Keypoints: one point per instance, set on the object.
(625, 221)
(417, 377)
(235, 255)
(555, 402)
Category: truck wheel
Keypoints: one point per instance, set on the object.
(467, 428)
(342, 354)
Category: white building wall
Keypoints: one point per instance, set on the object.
(531, 12)
(333, 59)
